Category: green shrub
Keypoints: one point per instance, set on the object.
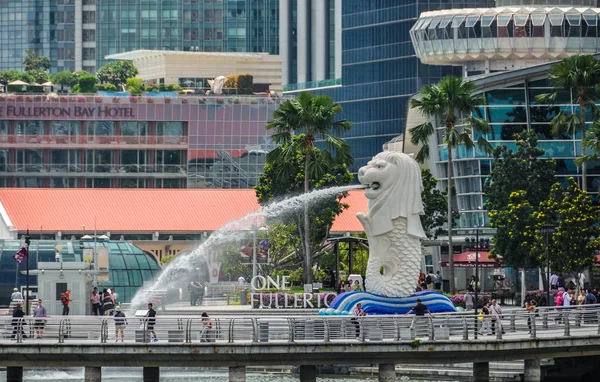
(245, 83)
(87, 83)
(134, 85)
(106, 87)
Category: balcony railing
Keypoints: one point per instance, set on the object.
(95, 139)
(125, 170)
(222, 99)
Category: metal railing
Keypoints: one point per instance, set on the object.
(559, 322)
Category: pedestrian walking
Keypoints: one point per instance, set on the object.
(469, 300)
(358, 312)
(485, 319)
(151, 321)
(419, 311)
(95, 300)
(40, 319)
(18, 322)
(65, 299)
(496, 316)
(120, 322)
(16, 295)
(437, 281)
(206, 335)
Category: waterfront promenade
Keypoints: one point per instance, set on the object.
(306, 341)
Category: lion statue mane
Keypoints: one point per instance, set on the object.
(393, 225)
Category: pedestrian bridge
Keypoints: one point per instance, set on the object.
(307, 341)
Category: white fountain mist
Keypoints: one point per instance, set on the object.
(183, 265)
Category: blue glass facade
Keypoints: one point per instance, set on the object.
(129, 266)
(380, 71)
(511, 108)
(186, 25)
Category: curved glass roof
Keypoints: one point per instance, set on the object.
(128, 265)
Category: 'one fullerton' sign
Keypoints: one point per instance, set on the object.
(8, 111)
(294, 301)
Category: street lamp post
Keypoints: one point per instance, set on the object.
(27, 241)
(548, 229)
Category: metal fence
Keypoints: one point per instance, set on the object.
(515, 324)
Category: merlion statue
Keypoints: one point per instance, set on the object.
(393, 225)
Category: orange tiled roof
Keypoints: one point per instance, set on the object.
(143, 210)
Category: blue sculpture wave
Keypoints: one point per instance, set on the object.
(345, 303)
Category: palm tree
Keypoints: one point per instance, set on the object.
(579, 75)
(451, 101)
(315, 118)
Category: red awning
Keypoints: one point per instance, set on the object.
(467, 260)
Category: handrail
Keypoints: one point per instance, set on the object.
(549, 323)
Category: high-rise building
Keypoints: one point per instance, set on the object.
(379, 69)
(506, 51)
(78, 34)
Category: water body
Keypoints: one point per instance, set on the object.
(182, 266)
(134, 374)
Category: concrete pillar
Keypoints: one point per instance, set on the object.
(320, 40)
(338, 38)
(93, 374)
(285, 36)
(387, 372)
(308, 373)
(481, 371)
(14, 374)
(237, 374)
(533, 372)
(303, 27)
(151, 374)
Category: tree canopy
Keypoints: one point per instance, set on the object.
(435, 205)
(313, 118)
(514, 201)
(282, 179)
(451, 103)
(34, 62)
(117, 72)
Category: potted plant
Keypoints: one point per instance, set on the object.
(167, 100)
(116, 99)
(133, 99)
(184, 100)
(98, 99)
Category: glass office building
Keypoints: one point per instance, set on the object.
(507, 53)
(380, 71)
(106, 142)
(129, 267)
(78, 34)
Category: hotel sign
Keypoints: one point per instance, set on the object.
(8, 111)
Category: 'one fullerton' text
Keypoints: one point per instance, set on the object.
(74, 111)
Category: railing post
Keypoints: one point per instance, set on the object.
(292, 331)
(188, 331)
(598, 320)
(466, 329)
(397, 329)
(61, 331)
(231, 330)
(103, 331)
(431, 329)
(578, 317)
(533, 330)
(567, 324)
(513, 326)
(254, 330)
(545, 319)
(498, 327)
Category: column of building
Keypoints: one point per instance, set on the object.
(312, 39)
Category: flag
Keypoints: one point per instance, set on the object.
(21, 254)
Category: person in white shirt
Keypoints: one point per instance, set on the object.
(567, 299)
(496, 313)
(554, 281)
(16, 295)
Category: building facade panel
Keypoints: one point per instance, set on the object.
(107, 142)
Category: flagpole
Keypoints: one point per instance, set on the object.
(95, 257)
(27, 241)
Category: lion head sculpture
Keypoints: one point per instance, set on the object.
(395, 186)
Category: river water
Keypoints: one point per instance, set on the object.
(134, 374)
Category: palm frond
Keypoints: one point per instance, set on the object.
(419, 135)
(423, 153)
(564, 122)
(484, 145)
(546, 98)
